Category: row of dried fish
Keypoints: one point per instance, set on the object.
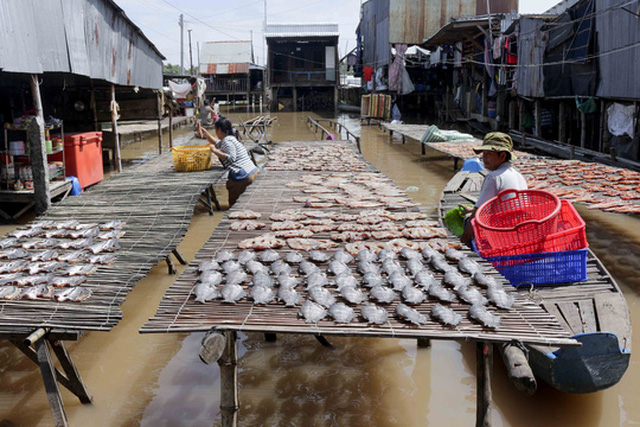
(325, 157)
(73, 294)
(58, 267)
(71, 257)
(13, 248)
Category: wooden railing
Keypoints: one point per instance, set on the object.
(324, 133)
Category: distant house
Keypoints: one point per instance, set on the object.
(303, 72)
(229, 70)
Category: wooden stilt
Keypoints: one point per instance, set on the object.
(172, 268)
(270, 337)
(39, 167)
(159, 103)
(322, 340)
(424, 342)
(171, 128)
(179, 257)
(114, 124)
(484, 361)
(518, 368)
(229, 381)
(50, 383)
(213, 345)
(31, 354)
(78, 387)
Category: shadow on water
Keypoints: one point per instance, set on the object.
(158, 380)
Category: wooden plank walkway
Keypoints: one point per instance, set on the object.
(157, 204)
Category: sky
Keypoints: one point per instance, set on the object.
(215, 20)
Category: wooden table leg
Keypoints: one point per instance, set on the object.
(215, 199)
(172, 268)
(50, 383)
(484, 361)
(229, 381)
(179, 257)
(78, 387)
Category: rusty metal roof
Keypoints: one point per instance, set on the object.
(93, 38)
(226, 57)
(302, 29)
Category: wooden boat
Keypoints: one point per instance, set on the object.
(595, 312)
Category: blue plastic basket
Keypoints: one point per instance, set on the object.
(542, 268)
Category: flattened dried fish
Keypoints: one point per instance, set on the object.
(289, 296)
(67, 225)
(86, 226)
(25, 233)
(319, 256)
(373, 279)
(365, 267)
(9, 242)
(50, 234)
(231, 293)
(482, 315)
(83, 234)
(386, 254)
(104, 246)
(467, 265)
(382, 294)
(112, 225)
(440, 264)
(455, 280)
(246, 256)
(425, 279)
(208, 265)
(9, 279)
(74, 256)
(499, 297)
(37, 279)
(337, 268)
(224, 256)
(454, 255)
(374, 314)
(441, 293)
(471, 296)
(42, 224)
(410, 314)
(341, 313)
(231, 265)
(255, 266)
(12, 266)
(429, 253)
(312, 312)
(415, 265)
(31, 292)
(399, 280)
(269, 256)
(262, 279)
(236, 277)
(280, 266)
(13, 253)
(44, 267)
(308, 268)
(322, 296)
(445, 315)
(366, 255)
(76, 294)
(112, 234)
(317, 279)
(410, 254)
(413, 295)
(205, 292)
(103, 259)
(210, 277)
(77, 244)
(287, 281)
(293, 257)
(345, 279)
(40, 244)
(79, 269)
(46, 255)
(262, 295)
(353, 294)
(67, 281)
(342, 256)
(9, 292)
(484, 280)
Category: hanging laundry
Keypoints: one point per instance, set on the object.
(368, 73)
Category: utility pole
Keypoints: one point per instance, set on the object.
(190, 55)
(198, 53)
(181, 22)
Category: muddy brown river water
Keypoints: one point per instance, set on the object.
(158, 380)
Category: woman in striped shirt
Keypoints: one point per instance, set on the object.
(233, 156)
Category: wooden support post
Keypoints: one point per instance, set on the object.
(424, 342)
(171, 267)
(295, 99)
(424, 148)
(51, 384)
(583, 129)
(521, 110)
(603, 126)
(35, 336)
(322, 340)
(31, 354)
(159, 104)
(518, 368)
(537, 105)
(114, 128)
(512, 114)
(229, 381)
(212, 347)
(94, 106)
(484, 362)
(39, 164)
(78, 387)
(562, 124)
(171, 127)
(179, 256)
(270, 337)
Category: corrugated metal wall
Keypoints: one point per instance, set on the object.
(375, 33)
(620, 71)
(85, 37)
(531, 52)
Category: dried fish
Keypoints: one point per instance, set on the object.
(471, 296)
(386, 254)
(289, 296)
(312, 312)
(365, 267)
(9, 242)
(280, 266)
(308, 268)
(25, 233)
(254, 266)
(345, 279)
(341, 313)
(366, 255)
(14, 253)
(373, 279)
(224, 256)
(68, 225)
(440, 264)
(208, 265)
(382, 294)
(103, 259)
(231, 265)
(342, 256)
(67, 281)
(9, 279)
(74, 256)
(410, 254)
(262, 295)
(87, 226)
(262, 279)
(455, 280)
(37, 279)
(454, 255)
(353, 294)
(40, 244)
(415, 265)
(374, 314)
(319, 256)
(390, 266)
(436, 290)
(287, 281)
(108, 235)
(482, 315)
(322, 296)
(83, 234)
(42, 224)
(76, 244)
(413, 295)
(50, 234)
(293, 257)
(428, 253)
(410, 314)
(399, 280)
(484, 280)
(269, 256)
(499, 297)
(236, 277)
(317, 278)
(44, 267)
(112, 225)
(46, 255)
(104, 246)
(9, 292)
(445, 315)
(337, 268)
(246, 256)
(76, 294)
(206, 292)
(232, 292)
(79, 269)
(425, 279)
(32, 292)
(467, 265)
(210, 277)
(12, 266)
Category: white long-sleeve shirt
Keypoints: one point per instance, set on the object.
(506, 177)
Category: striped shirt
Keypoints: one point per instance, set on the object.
(237, 161)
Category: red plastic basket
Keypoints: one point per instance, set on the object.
(517, 217)
(569, 236)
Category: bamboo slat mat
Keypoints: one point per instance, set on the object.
(178, 312)
(156, 204)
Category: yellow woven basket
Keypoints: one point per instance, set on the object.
(191, 158)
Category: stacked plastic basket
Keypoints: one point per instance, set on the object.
(532, 237)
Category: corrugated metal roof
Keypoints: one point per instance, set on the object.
(226, 57)
(302, 29)
(86, 37)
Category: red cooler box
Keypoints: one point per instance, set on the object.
(83, 157)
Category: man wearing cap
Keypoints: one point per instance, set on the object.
(497, 154)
